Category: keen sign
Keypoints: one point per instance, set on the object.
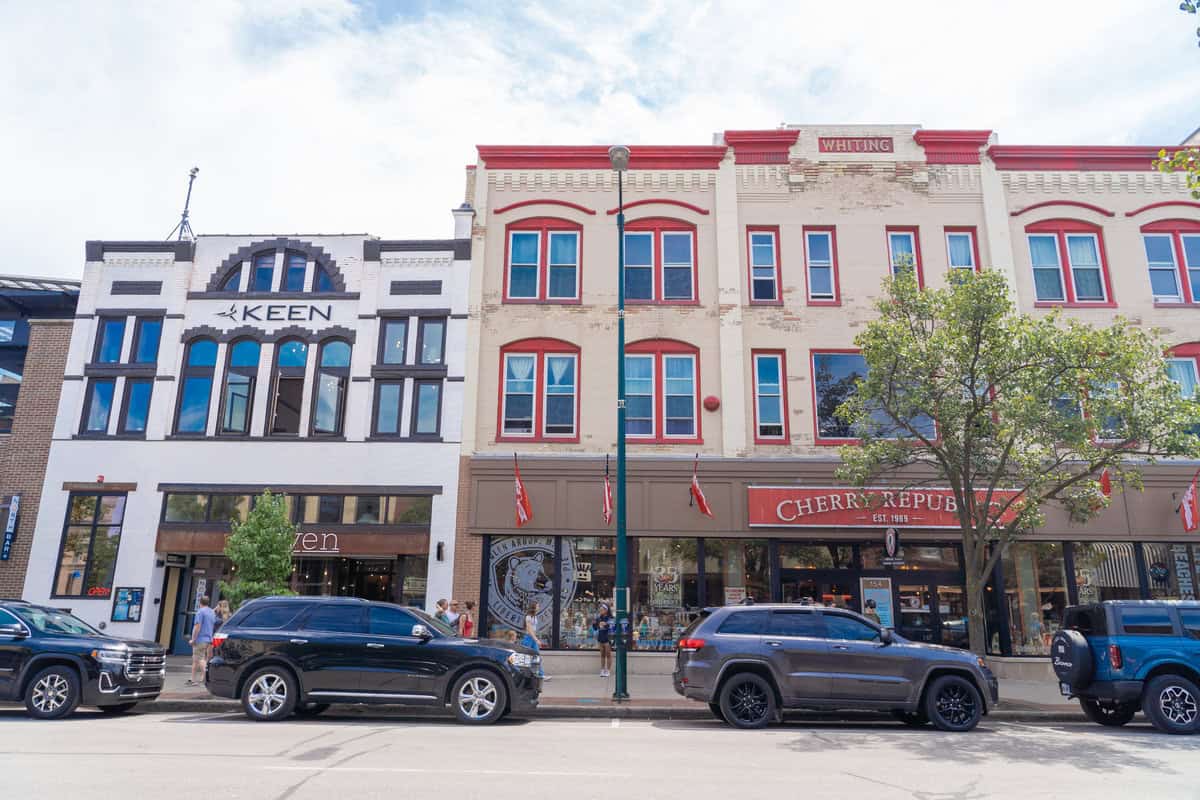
(841, 507)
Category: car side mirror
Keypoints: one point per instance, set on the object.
(15, 631)
(885, 636)
(421, 632)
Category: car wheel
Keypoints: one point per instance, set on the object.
(914, 718)
(1112, 715)
(119, 708)
(479, 697)
(53, 693)
(953, 704)
(269, 694)
(747, 701)
(1172, 703)
(310, 709)
(715, 708)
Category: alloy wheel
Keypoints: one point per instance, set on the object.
(50, 693)
(1178, 706)
(748, 702)
(955, 704)
(477, 698)
(268, 693)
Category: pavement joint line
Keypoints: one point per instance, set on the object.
(431, 771)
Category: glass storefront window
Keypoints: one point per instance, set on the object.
(1171, 569)
(185, 507)
(522, 571)
(793, 555)
(1035, 594)
(226, 507)
(1106, 571)
(409, 510)
(735, 569)
(665, 590)
(916, 557)
(595, 560)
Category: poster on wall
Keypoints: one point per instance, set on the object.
(666, 587)
(127, 604)
(878, 591)
(523, 572)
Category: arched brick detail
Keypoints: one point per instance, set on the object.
(315, 252)
(257, 334)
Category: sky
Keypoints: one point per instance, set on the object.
(336, 116)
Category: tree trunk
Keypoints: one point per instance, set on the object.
(976, 617)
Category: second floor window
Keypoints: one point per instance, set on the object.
(543, 260)
(146, 336)
(135, 408)
(960, 249)
(333, 375)
(904, 252)
(770, 408)
(821, 264)
(835, 380)
(393, 340)
(110, 336)
(661, 392)
(431, 340)
(1068, 262)
(764, 265)
(241, 373)
(262, 273)
(427, 408)
(1173, 257)
(660, 262)
(291, 359)
(540, 390)
(200, 360)
(98, 405)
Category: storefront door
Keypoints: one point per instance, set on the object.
(933, 613)
(195, 584)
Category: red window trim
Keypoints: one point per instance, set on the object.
(658, 348)
(539, 347)
(657, 226)
(774, 231)
(812, 379)
(1060, 227)
(949, 229)
(833, 254)
(1176, 228)
(786, 439)
(543, 226)
(915, 230)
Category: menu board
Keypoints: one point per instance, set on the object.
(877, 596)
(127, 604)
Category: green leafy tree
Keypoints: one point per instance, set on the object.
(1187, 160)
(1036, 405)
(261, 551)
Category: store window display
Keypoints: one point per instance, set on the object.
(1106, 571)
(1035, 594)
(595, 559)
(735, 569)
(1171, 570)
(665, 591)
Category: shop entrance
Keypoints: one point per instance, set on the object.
(932, 612)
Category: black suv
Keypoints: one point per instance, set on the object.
(749, 662)
(53, 662)
(285, 655)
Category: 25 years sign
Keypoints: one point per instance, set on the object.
(842, 507)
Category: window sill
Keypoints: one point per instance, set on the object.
(1063, 304)
(272, 296)
(125, 436)
(640, 440)
(404, 439)
(537, 440)
(1174, 304)
(96, 369)
(819, 442)
(408, 371)
(631, 302)
(766, 303)
(542, 301)
(830, 303)
(781, 442)
(278, 437)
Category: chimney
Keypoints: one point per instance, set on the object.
(464, 216)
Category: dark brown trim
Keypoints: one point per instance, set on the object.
(413, 433)
(398, 371)
(315, 253)
(459, 316)
(136, 288)
(306, 335)
(124, 415)
(72, 377)
(360, 379)
(416, 287)
(374, 248)
(413, 312)
(101, 488)
(272, 295)
(383, 323)
(113, 370)
(130, 312)
(456, 379)
(164, 377)
(292, 488)
(95, 250)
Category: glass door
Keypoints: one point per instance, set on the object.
(952, 615)
(918, 614)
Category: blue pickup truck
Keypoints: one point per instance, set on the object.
(1123, 655)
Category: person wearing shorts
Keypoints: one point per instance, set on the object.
(603, 625)
(201, 641)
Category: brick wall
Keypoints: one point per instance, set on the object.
(23, 456)
(468, 549)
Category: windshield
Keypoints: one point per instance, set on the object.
(433, 623)
(51, 620)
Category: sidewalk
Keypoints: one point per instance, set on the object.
(652, 697)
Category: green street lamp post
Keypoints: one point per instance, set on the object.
(618, 156)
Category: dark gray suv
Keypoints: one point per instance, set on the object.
(751, 662)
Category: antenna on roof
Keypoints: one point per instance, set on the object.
(184, 227)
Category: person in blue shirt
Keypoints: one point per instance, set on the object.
(603, 625)
(202, 638)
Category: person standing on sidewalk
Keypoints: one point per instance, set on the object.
(224, 612)
(201, 641)
(466, 621)
(603, 626)
(441, 613)
(531, 639)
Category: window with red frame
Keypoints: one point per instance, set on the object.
(962, 250)
(770, 397)
(904, 251)
(820, 264)
(1173, 257)
(660, 261)
(835, 375)
(763, 249)
(539, 391)
(1183, 366)
(543, 261)
(1069, 265)
(662, 392)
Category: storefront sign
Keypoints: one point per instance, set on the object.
(10, 527)
(583, 571)
(316, 544)
(876, 593)
(1183, 572)
(414, 585)
(520, 574)
(666, 586)
(840, 507)
(856, 144)
(127, 604)
(277, 312)
(734, 595)
(893, 555)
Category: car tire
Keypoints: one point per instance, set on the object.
(53, 693)
(1110, 715)
(310, 709)
(915, 719)
(747, 701)
(119, 708)
(1172, 704)
(269, 694)
(715, 708)
(952, 703)
(479, 697)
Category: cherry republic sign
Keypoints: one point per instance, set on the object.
(842, 507)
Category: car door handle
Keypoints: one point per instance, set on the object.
(375, 645)
(841, 647)
(298, 641)
(773, 643)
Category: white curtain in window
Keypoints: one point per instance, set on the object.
(1183, 372)
(960, 250)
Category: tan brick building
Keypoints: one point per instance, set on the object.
(750, 266)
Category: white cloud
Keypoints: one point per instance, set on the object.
(331, 116)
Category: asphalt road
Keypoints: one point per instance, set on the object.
(361, 755)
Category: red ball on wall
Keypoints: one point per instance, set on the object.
(712, 403)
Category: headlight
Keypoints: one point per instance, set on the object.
(522, 660)
(109, 656)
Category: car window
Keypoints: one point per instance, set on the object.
(796, 623)
(846, 628)
(276, 616)
(8, 619)
(432, 623)
(1088, 620)
(1191, 621)
(339, 618)
(1153, 621)
(51, 620)
(391, 622)
(752, 623)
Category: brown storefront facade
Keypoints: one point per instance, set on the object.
(681, 561)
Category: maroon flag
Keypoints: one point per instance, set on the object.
(698, 493)
(524, 509)
(1106, 483)
(1189, 509)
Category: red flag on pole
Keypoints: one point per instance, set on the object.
(1189, 509)
(698, 493)
(607, 507)
(1106, 483)
(524, 509)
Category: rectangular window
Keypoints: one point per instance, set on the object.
(263, 272)
(560, 396)
(136, 410)
(1083, 253)
(835, 379)
(409, 510)
(293, 277)
(98, 406)
(289, 395)
(639, 395)
(146, 334)
(185, 508)
(677, 266)
(1047, 269)
(1183, 372)
(769, 406)
(1106, 571)
(393, 341)
(224, 508)
(389, 395)
(563, 265)
(1164, 274)
(902, 250)
(1147, 621)
(431, 341)
(520, 382)
(193, 405)
(764, 265)
(1035, 594)
(665, 590)
(1191, 260)
(820, 266)
(91, 538)
(523, 266)
(639, 266)
(427, 408)
(1190, 617)
(110, 335)
(679, 394)
(960, 250)
(8, 330)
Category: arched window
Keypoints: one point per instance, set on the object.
(1069, 263)
(660, 261)
(543, 260)
(262, 273)
(233, 281)
(291, 356)
(195, 389)
(238, 399)
(662, 391)
(295, 266)
(321, 280)
(539, 391)
(333, 373)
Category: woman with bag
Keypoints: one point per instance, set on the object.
(531, 639)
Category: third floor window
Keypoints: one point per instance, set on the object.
(539, 391)
(1173, 257)
(660, 261)
(1068, 263)
(543, 261)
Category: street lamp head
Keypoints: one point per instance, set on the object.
(618, 156)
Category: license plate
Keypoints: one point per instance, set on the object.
(1065, 688)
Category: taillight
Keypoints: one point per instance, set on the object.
(1114, 656)
(218, 640)
(690, 645)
